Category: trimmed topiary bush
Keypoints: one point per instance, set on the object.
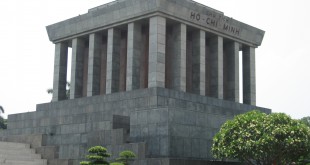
(98, 155)
(125, 157)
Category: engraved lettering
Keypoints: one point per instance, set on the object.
(225, 27)
(197, 17)
(208, 21)
(232, 29)
(221, 22)
(213, 22)
(193, 15)
(237, 32)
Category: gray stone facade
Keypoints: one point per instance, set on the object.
(153, 122)
(158, 77)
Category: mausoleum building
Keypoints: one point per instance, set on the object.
(158, 77)
(179, 45)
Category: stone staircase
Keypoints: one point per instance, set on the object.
(19, 154)
(50, 149)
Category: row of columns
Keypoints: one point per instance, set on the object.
(207, 66)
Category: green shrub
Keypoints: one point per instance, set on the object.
(258, 138)
(116, 163)
(125, 157)
(97, 156)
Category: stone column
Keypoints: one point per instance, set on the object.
(103, 70)
(157, 52)
(113, 61)
(60, 71)
(198, 65)
(216, 57)
(123, 61)
(134, 53)
(232, 71)
(94, 64)
(77, 67)
(144, 60)
(249, 80)
(179, 57)
(85, 70)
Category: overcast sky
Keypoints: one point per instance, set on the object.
(282, 62)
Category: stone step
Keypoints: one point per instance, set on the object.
(17, 151)
(19, 154)
(59, 162)
(23, 162)
(7, 145)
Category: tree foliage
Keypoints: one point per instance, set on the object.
(258, 138)
(116, 163)
(3, 124)
(306, 120)
(125, 157)
(98, 156)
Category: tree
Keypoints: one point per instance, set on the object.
(3, 124)
(304, 159)
(306, 120)
(258, 138)
(1, 109)
(125, 157)
(98, 155)
(116, 163)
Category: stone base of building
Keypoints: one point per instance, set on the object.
(161, 126)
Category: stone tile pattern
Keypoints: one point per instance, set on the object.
(171, 123)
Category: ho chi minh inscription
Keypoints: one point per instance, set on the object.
(213, 20)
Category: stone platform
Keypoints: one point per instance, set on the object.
(158, 124)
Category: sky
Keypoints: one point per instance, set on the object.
(282, 61)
